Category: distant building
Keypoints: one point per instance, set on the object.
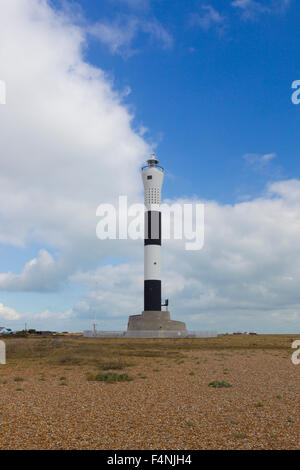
(5, 331)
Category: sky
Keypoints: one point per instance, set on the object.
(92, 89)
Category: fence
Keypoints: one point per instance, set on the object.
(149, 334)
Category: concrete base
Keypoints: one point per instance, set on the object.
(154, 320)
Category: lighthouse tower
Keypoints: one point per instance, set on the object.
(153, 318)
(153, 176)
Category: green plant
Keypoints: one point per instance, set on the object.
(110, 377)
(18, 379)
(259, 404)
(219, 384)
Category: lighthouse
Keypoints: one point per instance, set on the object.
(153, 318)
(153, 176)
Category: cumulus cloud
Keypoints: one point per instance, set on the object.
(68, 144)
(41, 274)
(119, 35)
(115, 289)
(246, 276)
(48, 315)
(67, 141)
(287, 190)
(8, 314)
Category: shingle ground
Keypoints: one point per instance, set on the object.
(171, 407)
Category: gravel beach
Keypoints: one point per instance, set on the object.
(168, 404)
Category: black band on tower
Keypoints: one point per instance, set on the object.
(153, 228)
(152, 295)
(152, 287)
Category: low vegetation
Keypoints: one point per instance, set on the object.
(218, 384)
(110, 377)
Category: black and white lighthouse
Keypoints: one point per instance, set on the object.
(153, 318)
(153, 176)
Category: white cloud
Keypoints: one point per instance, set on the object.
(251, 8)
(259, 161)
(246, 277)
(8, 314)
(287, 190)
(209, 18)
(248, 270)
(116, 290)
(40, 274)
(67, 142)
(48, 315)
(268, 156)
(119, 35)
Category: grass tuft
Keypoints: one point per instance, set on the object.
(259, 404)
(109, 377)
(219, 384)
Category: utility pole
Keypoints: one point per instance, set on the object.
(95, 325)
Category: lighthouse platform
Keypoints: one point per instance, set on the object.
(154, 321)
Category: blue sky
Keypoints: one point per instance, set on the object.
(207, 85)
(213, 94)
